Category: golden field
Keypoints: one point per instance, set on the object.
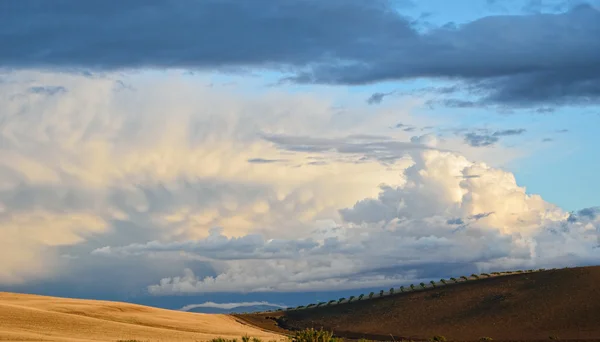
(26, 317)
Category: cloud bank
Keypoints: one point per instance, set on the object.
(174, 187)
(506, 60)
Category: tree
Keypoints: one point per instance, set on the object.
(443, 281)
(341, 300)
(381, 293)
(412, 286)
(361, 296)
(422, 285)
(454, 280)
(401, 288)
(464, 277)
(371, 294)
(350, 299)
(392, 290)
(432, 283)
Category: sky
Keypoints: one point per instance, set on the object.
(198, 154)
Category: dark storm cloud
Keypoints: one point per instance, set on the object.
(514, 60)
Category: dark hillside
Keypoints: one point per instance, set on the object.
(562, 303)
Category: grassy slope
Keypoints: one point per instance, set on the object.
(40, 318)
(534, 306)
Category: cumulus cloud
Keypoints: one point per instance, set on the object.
(439, 214)
(97, 179)
(96, 166)
(332, 42)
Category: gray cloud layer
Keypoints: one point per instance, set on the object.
(516, 60)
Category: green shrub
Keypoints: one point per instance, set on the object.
(443, 281)
(437, 338)
(371, 294)
(392, 290)
(350, 298)
(454, 280)
(412, 286)
(401, 288)
(485, 274)
(341, 300)
(422, 285)
(256, 339)
(432, 283)
(331, 302)
(312, 335)
(475, 276)
(463, 277)
(245, 338)
(361, 296)
(381, 293)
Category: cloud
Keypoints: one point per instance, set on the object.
(229, 306)
(377, 98)
(364, 42)
(489, 139)
(407, 229)
(99, 189)
(263, 161)
(98, 166)
(508, 132)
(479, 140)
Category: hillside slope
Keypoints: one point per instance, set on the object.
(30, 317)
(530, 306)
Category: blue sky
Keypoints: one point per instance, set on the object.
(175, 153)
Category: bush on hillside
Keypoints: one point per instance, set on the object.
(313, 335)
(437, 338)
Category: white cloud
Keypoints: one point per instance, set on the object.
(229, 306)
(147, 173)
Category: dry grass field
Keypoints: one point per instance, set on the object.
(39, 318)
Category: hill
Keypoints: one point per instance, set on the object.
(562, 303)
(40, 318)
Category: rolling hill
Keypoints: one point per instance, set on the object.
(562, 303)
(40, 318)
